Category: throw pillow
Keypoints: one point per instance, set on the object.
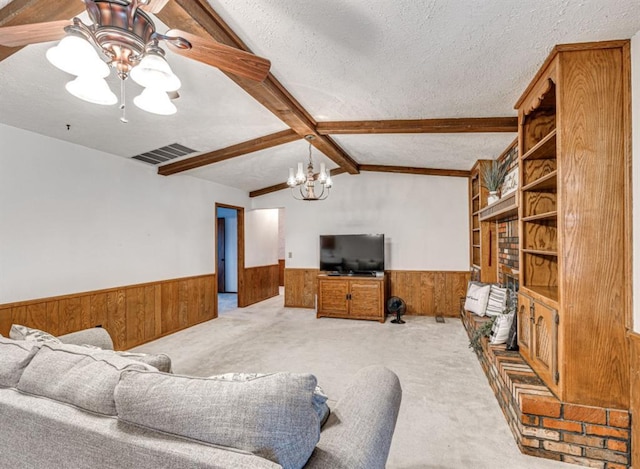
(477, 298)
(500, 329)
(15, 356)
(19, 332)
(497, 301)
(160, 361)
(319, 397)
(76, 375)
(271, 416)
(512, 339)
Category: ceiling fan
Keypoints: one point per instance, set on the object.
(126, 36)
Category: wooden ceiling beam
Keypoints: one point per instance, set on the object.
(411, 170)
(281, 186)
(197, 17)
(21, 12)
(423, 126)
(250, 146)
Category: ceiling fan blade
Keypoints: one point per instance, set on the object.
(226, 58)
(21, 35)
(153, 6)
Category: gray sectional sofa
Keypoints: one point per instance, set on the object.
(63, 405)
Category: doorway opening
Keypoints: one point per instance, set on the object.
(229, 256)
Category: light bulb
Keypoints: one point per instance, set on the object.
(300, 177)
(328, 183)
(291, 181)
(322, 176)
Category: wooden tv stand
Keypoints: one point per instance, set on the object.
(351, 297)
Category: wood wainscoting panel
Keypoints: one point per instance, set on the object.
(429, 293)
(300, 287)
(426, 293)
(260, 283)
(132, 314)
(634, 410)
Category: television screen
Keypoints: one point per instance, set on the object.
(352, 254)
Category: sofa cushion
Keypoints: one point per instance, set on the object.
(15, 355)
(271, 416)
(319, 397)
(20, 332)
(76, 375)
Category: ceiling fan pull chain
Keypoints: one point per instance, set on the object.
(123, 117)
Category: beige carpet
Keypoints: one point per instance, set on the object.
(449, 417)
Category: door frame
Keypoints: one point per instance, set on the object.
(240, 251)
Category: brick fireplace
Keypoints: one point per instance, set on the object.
(542, 425)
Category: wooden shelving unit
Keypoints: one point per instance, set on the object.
(504, 208)
(483, 236)
(574, 291)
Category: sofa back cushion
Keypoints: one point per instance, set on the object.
(76, 375)
(271, 416)
(15, 355)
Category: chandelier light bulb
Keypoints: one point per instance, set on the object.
(328, 182)
(300, 177)
(155, 101)
(92, 89)
(153, 71)
(75, 55)
(322, 177)
(291, 181)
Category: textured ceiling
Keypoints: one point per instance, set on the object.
(342, 60)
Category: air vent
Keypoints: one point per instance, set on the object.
(160, 155)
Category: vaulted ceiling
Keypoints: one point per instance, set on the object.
(404, 85)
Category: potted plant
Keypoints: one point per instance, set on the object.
(492, 178)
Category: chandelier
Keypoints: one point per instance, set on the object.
(306, 182)
(126, 36)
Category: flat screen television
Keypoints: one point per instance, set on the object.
(352, 254)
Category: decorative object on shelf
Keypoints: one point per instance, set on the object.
(306, 182)
(126, 36)
(510, 183)
(493, 175)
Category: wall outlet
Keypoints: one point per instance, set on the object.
(290, 254)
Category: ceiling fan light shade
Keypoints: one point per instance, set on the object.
(92, 89)
(153, 71)
(155, 101)
(75, 55)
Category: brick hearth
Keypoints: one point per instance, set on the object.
(542, 425)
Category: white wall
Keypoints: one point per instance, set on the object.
(261, 237)
(635, 142)
(74, 219)
(281, 233)
(425, 219)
